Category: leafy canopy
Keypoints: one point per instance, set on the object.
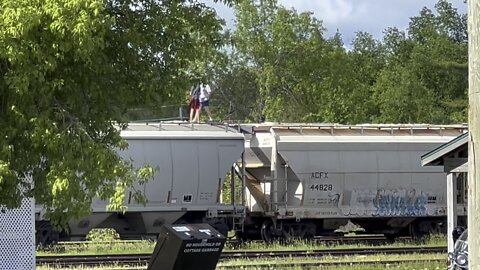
(283, 68)
(69, 71)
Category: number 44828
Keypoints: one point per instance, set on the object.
(321, 187)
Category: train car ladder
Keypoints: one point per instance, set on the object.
(278, 199)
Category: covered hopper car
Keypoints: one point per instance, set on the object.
(308, 180)
(192, 161)
(298, 180)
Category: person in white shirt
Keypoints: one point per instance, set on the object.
(205, 92)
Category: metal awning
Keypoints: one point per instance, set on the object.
(454, 149)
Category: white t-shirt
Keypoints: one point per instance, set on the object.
(205, 92)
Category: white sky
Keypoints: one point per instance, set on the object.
(350, 16)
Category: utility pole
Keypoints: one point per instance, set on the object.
(474, 134)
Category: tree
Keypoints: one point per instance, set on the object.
(301, 75)
(368, 57)
(237, 97)
(69, 71)
(425, 77)
(402, 98)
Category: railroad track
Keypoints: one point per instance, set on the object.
(314, 265)
(357, 239)
(370, 239)
(142, 259)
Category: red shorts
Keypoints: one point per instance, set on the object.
(194, 104)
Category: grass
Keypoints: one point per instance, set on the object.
(101, 247)
(406, 266)
(103, 242)
(147, 246)
(110, 267)
(337, 259)
(412, 262)
(431, 241)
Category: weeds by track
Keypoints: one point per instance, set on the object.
(370, 239)
(147, 246)
(142, 259)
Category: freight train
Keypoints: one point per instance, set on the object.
(191, 164)
(296, 180)
(308, 180)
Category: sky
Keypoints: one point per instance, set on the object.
(350, 16)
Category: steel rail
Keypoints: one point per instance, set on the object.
(309, 265)
(331, 252)
(138, 259)
(320, 239)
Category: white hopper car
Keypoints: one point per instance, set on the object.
(307, 180)
(193, 162)
(300, 180)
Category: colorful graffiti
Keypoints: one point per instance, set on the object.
(403, 203)
(382, 202)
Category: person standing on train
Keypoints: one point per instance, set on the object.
(194, 104)
(205, 92)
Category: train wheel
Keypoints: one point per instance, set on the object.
(268, 231)
(300, 230)
(249, 233)
(391, 237)
(309, 231)
(45, 233)
(420, 230)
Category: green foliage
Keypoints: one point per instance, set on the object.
(102, 235)
(425, 78)
(227, 190)
(236, 95)
(403, 99)
(69, 72)
(285, 51)
(282, 68)
(72, 73)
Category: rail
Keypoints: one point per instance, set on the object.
(141, 259)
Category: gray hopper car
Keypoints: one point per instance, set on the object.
(299, 180)
(308, 180)
(193, 162)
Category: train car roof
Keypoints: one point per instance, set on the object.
(180, 130)
(294, 129)
(335, 133)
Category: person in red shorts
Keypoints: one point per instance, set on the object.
(194, 104)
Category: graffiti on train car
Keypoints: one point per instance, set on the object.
(390, 202)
